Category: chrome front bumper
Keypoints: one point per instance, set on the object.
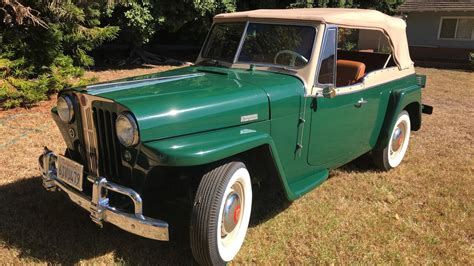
(98, 205)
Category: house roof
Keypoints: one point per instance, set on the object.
(393, 27)
(436, 5)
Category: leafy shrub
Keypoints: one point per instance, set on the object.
(25, 92)
(45, 44)
(138, 23)
(37, 59)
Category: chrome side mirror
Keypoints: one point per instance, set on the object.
(329, 91)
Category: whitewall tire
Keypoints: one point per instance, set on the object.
(392, 155)
(221, 214)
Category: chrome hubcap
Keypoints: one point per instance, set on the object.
(232, 213)
(398, 138)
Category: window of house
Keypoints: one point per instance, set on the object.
(456, 28)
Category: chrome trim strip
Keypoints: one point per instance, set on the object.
(124, 85)
(365, 85)
(388, 60)
(98, 205)
(242, 39)
(320, 59)
(90, 135)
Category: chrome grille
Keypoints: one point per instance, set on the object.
(101, 144)
(90, 140)
(110, 161)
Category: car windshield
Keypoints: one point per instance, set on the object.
(223, 41)
(271, 44)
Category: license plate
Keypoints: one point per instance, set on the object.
(70, 172)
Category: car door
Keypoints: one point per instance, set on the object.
(341, 123)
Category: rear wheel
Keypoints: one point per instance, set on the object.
(221, 214)
(392, 155)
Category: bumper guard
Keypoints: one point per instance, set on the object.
(98, 205)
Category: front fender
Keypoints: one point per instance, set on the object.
(207, 147)
(399, 100)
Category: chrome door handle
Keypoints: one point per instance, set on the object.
(360, 103)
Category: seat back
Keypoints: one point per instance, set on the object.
(349, 72)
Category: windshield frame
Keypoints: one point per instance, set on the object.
(242, 40)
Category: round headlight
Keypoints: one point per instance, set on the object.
(65, 109)
(127, 130)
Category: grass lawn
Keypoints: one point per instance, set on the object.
(419, 213)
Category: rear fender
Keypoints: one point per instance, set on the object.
(406, 98)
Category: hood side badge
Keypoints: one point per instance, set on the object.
(248, 118)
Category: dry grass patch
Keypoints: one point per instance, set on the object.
(419, 213)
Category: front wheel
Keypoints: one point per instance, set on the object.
(221, 214)
(392, 155)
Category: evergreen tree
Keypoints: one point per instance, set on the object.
(386, 6)
(44, 44)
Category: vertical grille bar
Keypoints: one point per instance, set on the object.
(109, 156)
(108, 145)
(98, 115)
(115, 144)
(94, 116)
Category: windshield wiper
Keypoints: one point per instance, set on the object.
(253, 66)
(210, 62)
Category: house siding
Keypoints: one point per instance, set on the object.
(422, 30)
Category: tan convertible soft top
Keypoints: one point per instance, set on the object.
(393, 27)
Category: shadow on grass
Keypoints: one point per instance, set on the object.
(47, 227)
(362, 164)
(268, 201)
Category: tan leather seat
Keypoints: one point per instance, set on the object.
(349, 72)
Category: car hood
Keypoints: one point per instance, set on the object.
(187, 100)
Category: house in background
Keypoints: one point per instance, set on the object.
(439, 30)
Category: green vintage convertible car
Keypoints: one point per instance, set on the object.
(280, 95)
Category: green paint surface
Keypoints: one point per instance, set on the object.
(198, 115)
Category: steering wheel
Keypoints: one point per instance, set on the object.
(293, 59)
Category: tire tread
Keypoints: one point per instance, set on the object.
(205, 213)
